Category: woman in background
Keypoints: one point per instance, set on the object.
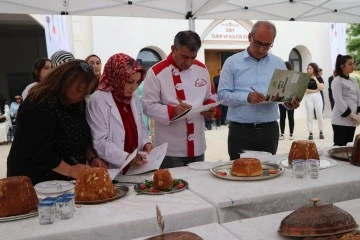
(5, 122)
(114, 114)
(42, 67)
(346, 93)
(53, 140)
(290, 112)
(95, 61)
(313, 100)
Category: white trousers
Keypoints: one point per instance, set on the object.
(314, 101)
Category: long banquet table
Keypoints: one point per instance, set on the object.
(208, 200)
(129, 217)
(236, 200)
(266, 227)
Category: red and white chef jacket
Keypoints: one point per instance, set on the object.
(164, 85)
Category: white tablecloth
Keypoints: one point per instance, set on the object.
(245, 199)
(129, 217)
(266, 227)
(212, 231)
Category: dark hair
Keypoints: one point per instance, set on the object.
(266, 23)
(2, 104)
(189, 39)
(288, 65)
(341, 60)
(92, 55)
(315, 67)
(56, 84)
(38, 65)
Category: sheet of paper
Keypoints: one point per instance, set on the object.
(115, 172)
(196, 110)
(154, 158)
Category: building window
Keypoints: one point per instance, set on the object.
(295, 60)
(148, 57)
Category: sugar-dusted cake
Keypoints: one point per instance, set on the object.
(17, 196)
(246, 167)
(94, 184)
(303, 149)
(162, 179)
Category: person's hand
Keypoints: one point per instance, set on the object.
(179, 109)
(15, 113)
(355, 119)
(75, 170)
(98, 162)
(294, 104)
(148, 147)
(210, 114)
(139, 160)
(255, 97)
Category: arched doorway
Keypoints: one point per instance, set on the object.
(148, 57)
(295, 60)
(23, 41)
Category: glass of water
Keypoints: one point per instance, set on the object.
(314, 166)
(299, 168)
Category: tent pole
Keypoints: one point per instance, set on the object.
(191, 24)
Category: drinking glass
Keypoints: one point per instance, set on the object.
(299, 168)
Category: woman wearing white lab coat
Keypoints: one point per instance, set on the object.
(114, 114)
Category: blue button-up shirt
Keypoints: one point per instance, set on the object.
(241, 72)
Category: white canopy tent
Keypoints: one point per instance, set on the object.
(346, 11)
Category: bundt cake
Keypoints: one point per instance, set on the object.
(17, 196)
(303, 149)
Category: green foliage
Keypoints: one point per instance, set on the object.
(356, 75)
(353, 41)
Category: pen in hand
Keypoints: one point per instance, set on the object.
(253, 89)
(255, 98)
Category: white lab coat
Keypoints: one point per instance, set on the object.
(107, 128)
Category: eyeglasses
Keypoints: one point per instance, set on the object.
(17, 98)
(261, 44)
(86, 67)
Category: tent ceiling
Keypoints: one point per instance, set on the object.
(283, 10)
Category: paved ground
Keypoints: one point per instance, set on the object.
(217, 142)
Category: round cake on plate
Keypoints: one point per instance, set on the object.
(94, 184)
(303, 149)
(162, 179)
(246, 167)
(17, 196)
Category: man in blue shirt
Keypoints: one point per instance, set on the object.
(244, 81)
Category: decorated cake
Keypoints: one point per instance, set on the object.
(162, 179)
(303, 149)
(246, 167)
(94, 184)
(17, 196)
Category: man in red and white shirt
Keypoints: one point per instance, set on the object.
(171, 87)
